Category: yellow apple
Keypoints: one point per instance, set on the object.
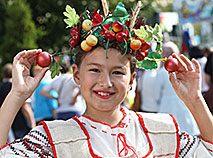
(85, 47)
(91, 40)
(87, 25)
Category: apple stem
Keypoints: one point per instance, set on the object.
(125, 49)
(107, 45)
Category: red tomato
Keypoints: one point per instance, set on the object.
(44, 59)
(171, 64)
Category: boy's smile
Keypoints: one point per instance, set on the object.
(104, 82)
(104, 94)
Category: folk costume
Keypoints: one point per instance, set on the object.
(139, 135)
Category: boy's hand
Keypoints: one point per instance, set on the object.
(23, 84)
(187, 82)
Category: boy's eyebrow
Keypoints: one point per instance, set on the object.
(97, 64)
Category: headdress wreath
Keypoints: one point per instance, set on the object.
(120, 29)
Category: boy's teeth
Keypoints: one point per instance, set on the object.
(103, 94)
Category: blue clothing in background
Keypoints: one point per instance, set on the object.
(43, 106)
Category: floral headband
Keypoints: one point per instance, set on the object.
(119, 29)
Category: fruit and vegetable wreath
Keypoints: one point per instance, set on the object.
(119, 28)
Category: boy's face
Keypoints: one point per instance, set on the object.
(103, 82)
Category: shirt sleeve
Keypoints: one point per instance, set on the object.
(194, 147)
(34, 144)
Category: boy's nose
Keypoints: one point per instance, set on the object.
(105, 81)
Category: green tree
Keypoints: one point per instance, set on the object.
(19, 30)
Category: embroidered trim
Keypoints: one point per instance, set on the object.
(146, 133)
(4, 146)
(177, 134)
(122, 124)
(205, 140)
(50, 137)
(88, 138)
(125, 146)
(190, 142)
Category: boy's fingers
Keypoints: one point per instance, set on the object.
(182, 65)
(187, 62)
(197, 66)
(26, 54)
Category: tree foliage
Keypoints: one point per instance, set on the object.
(19, 30)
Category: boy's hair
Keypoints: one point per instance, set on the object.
(81, 54)
(7, 70)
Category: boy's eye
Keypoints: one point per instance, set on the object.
(94, 70)
(118, 73)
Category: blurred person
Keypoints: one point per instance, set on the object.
(69, 100)
(5, 87)
(209, 68)
(198, 54)
(209, 79)
(167, 99)
(24, 119)
(44, 108)
(145, 90)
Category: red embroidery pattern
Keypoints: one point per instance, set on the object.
(122, 138)
(93, 127)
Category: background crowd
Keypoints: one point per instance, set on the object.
(60, 98)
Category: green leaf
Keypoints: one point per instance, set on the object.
(72, 17)
(54, 68)
(158, 33)
(159, 46)
(145, 34)
(147, 64)
(120, 10)
(154, 55)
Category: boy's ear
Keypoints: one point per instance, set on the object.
(133, 75)
(76, 74)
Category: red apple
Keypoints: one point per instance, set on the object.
(140, 55)
(121, 36)
(171, 64)
(110, 35)
(44, 59)
(74, 31)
